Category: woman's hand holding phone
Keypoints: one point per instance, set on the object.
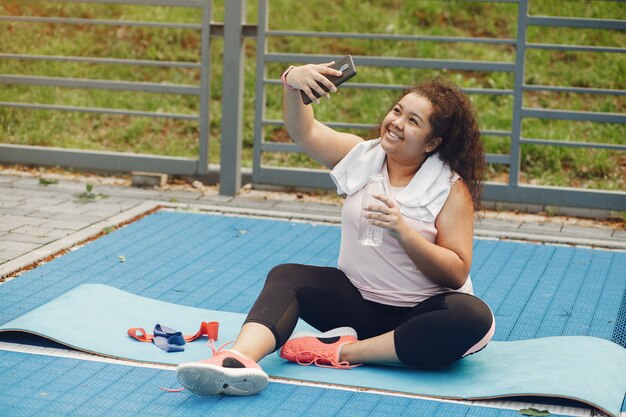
(308, 78)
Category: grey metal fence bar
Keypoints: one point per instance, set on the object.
(180, 3)
(137, 113)
(100, 22)
(115, 160)
(92, 60)
(514, 190)
(232, 100)
(575, 23)
(100, 84)
(390, 37)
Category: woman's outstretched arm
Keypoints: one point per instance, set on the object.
(318, 140)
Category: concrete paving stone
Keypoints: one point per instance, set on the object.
(42, 214)
(590, 232)
(15, 192)
(147, 179)
(69, 207)
(26, 238)
(252, 203)
(486, 214)
(8, 198)
(19, 220)
(327, 216)
(72, 186)
(541, 227)
(321, 207)
(5, 179)
(112, 201)
(134, 193)
(64, 224)
(9, 204)
(28, 192)
(14, 246)
(215, 198)
(290, 205)
(619, 235)
(102, 214)
(12, 254)
(521, 217)
(497, 224)
(27, 205)
(18, 211)
(25, 181)
(36, 231)
(81, 187)
(580, 212)
(59, 233)
(7, 226)
(502, 206)
(46, 201)
(107, 205)
(87, 218)
(179, 196)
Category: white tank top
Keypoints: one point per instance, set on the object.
(385, 274)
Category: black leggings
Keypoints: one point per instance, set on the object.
(436, 332)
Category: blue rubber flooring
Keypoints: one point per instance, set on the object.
(41, 386)
(220, 262)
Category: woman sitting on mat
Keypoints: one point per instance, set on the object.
(410, 300)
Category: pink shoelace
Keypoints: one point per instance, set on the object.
(214, 352)
(318, 357)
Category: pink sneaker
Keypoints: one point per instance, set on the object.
(225, 373)
(321, 349)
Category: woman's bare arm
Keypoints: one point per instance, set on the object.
(446, 262)
(318, 140)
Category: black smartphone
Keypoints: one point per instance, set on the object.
(348, 70)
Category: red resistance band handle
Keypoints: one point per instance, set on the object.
(209, 329)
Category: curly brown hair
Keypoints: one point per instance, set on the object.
(454, 121)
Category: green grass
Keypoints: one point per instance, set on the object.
(552, 165)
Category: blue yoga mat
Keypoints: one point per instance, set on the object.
(95, 318)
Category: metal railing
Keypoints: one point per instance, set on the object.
(235, 29)
(118, 161)
(513, 191)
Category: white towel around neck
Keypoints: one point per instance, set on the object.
(421, 199)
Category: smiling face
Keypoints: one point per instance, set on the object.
(406, 131)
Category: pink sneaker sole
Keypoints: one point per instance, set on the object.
(205, 379)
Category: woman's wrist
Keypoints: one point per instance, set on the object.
(283, 78)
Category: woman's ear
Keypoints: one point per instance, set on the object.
(433, 144)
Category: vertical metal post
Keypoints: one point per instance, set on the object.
(259, 111)
(205, 90)
(232, 98)
(518, 94)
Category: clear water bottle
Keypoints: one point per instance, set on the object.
(370, 235)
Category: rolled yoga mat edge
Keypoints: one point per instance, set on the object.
(94, 318)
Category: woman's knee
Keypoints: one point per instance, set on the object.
(481, 322)
(301, 275)
(283, 273)
(462, 324)
(473, 311)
